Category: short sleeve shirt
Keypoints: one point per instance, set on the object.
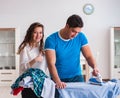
(67, 53)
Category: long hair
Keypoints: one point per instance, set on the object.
(28, 37)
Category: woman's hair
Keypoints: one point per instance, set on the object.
(29, 37)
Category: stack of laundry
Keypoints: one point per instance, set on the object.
(36, 80)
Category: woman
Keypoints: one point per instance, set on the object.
(32, 53)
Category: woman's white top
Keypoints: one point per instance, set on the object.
(28, 54)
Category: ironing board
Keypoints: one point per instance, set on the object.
(86, 90)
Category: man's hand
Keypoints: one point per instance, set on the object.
(60, 85)
(95, 72)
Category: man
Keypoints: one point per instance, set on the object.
(63, 50)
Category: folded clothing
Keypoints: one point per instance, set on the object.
(115, 80)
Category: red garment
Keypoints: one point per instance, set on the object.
(17, 90)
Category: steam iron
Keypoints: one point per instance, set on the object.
(96, 80)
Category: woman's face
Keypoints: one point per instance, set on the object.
(37, 34)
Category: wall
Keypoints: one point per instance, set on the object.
(53, 14)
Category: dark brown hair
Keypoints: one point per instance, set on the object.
(75, 21)
(28, 37)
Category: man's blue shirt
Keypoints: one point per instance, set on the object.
(67, 53)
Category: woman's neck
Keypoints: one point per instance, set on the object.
(33, 44)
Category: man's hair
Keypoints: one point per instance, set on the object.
(75, 21)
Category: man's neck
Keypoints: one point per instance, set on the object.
(63, 34)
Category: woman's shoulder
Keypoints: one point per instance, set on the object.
(26, 48)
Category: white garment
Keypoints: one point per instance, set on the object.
(28, 54)
(26, 82)
(48, 90)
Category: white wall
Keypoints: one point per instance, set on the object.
(53, 14)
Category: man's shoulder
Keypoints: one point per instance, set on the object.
(53, 35)
(81, 34)
(51, 41)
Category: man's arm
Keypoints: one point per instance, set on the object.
(90, 59)
(51, 59)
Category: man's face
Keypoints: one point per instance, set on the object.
(73, 32)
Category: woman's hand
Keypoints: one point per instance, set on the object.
(39, 58)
